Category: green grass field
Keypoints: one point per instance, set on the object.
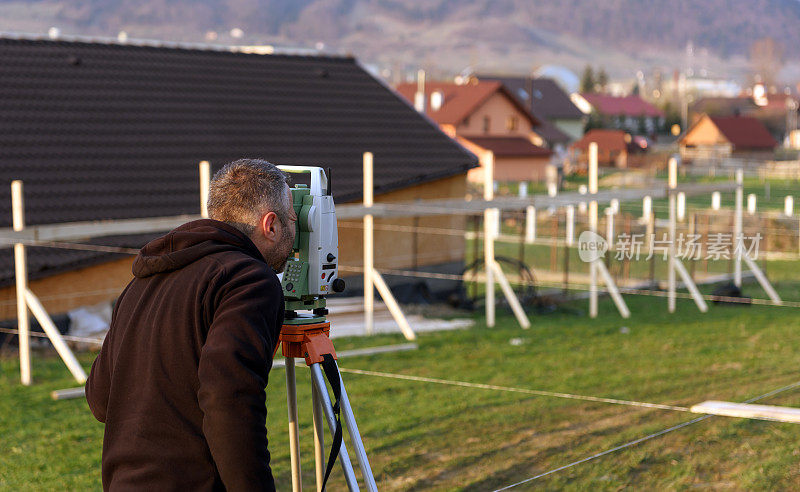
(423, 436)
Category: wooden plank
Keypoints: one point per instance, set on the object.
(67, 394)
(748, 411)
(461, 207)
(81, 230)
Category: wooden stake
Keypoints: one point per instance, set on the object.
(369, 260)
(21, 275)
(488, 236)
(593, 227)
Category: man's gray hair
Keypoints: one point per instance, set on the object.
(244, 190)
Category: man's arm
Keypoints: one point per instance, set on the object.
(233, 369)
(98, 384)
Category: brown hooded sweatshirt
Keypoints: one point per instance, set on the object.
(180, 379)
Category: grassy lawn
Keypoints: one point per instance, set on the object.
(423, 436)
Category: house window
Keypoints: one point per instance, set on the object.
(512, 123)
(486, 124)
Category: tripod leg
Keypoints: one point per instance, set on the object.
(294, 429)
(355, 436)
(327, 406)
(319, 437)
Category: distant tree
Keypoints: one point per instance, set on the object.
(602, 79)
(592, 122)
(587, 79)
(671, 117)
(635, 90)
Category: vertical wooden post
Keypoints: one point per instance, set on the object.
(475, 250)
(369, 260)
(626, 263)
(419, 96)
(488, 236)
(651, 234)
(569, 234)
(751, 204)
(737, 229)
(21, 274)
(692, 233)
(610, 235)
(673, 183)
(522, 242)
(705, 240)
(593, 227)
(530, 224)
(681, 210)
(205, 183)
(554, 243)
(570, 225)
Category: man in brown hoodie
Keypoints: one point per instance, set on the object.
(180, 379)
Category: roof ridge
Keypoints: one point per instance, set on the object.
(182, 45)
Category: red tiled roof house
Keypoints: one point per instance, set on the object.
(613, 148)
(485, 117)
(631, 113)
(717, 137)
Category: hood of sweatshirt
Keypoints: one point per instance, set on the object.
(189, 243)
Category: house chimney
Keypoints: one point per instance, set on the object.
(437, 99)
(419, 97)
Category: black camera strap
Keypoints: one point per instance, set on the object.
(332, 373)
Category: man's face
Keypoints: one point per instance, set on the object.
(276, 245)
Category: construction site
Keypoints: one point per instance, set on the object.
(601, 328)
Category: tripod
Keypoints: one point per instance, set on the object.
(310, 340)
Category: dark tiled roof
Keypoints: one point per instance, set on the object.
(744, 132)
(510, 146)
(105, 131)
(542, 96)
(109, 131)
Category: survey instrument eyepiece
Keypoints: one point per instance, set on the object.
(312, 272)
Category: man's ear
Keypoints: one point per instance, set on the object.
(268, 226)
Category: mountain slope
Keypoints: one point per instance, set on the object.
(505, 32)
